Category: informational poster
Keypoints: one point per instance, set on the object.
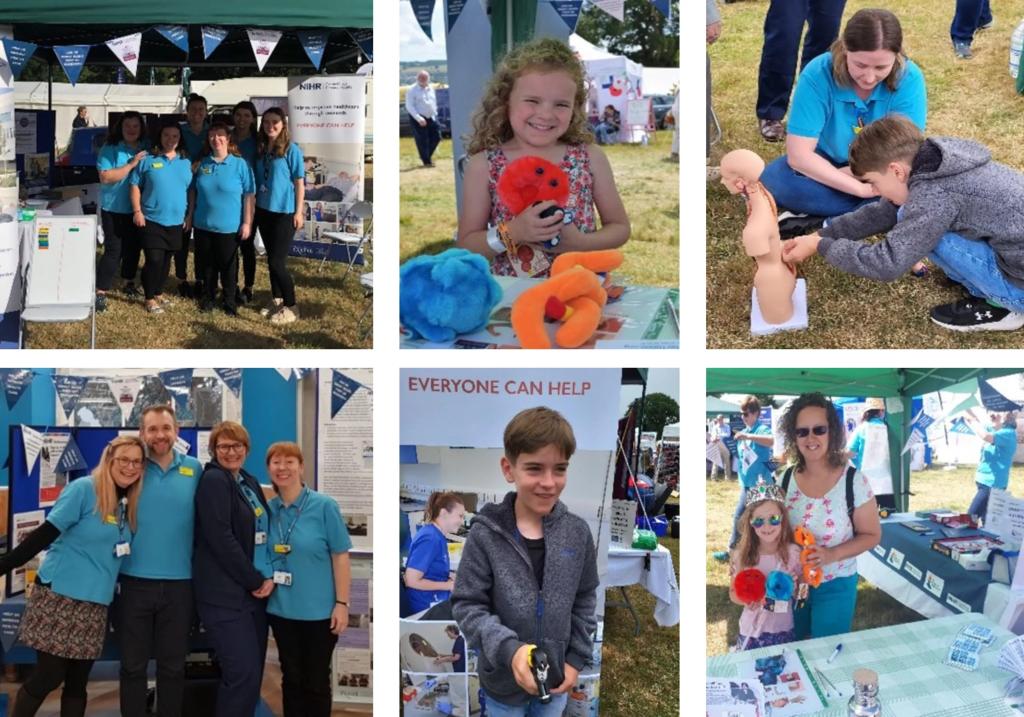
(51, 482)
(22, 525)
(623, 521)
(10, 284)
(25, 132)
(345, 452)
(1005, 517)
(327, 118)
(352, 657)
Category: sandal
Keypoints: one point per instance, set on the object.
(772, 130)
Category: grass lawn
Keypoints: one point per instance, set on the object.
(428, 220)
(974, 99)
(640, 675)
(935, 488)
(329, 313)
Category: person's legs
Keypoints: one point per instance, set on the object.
(49, 673)
(783, 25)
(419, 134)
(801, 194)
(554, 708)
(134, 612)
(832, 606)
(267, 226)
(277, 257)
(238, 651)
(500, 709)
(153, 272)
(112, 243)
(224, 255)
(172, 624)
(966, 20)
(740, 505)
(433, 136)
(973, 263)
(985, 18)
(131, 250)
(979, 505)
(316, 669)
(248, 251)
(290, 651)
(75, 695)
(823, 20)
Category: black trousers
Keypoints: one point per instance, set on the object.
(278, 232)
(181, 261)
(50, 672)
(305, 649)
(220, 257)
(248, 250)
(427, 138)
(154, 618)
(239, 638)
(121, 248)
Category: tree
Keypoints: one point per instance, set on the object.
(645, 35)
(659, 411)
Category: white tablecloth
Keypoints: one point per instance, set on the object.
(626, 567)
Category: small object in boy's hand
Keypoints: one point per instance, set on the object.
(920, 269)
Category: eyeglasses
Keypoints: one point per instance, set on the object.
(126, 462)
(816, 430)
(230, 447)
(772, 520)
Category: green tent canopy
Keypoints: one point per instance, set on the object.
(901, 384)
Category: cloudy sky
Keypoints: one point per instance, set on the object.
(415, 45)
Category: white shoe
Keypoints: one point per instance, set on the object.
(272, 308)
(284, 316)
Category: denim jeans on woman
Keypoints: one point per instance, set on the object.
(799, 193)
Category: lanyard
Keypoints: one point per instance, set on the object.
(285, 536)
(122, 519)
(249, 496)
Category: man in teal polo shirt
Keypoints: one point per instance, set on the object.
(1000, 437)
(193, 134)
(155, 603)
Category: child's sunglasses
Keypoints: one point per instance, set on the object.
(772, 520)
(816, 430)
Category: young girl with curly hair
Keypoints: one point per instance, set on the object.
(534, 105)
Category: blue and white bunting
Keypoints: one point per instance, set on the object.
(69, 389)
(15, 381)
(212, 37)
(71, 459)
(664, 7)
(126, 49)
(232, 378)
(301, 373)
(993, 400)
(454, 10)
(959, 425)
(342, 388)
(314, 42)
(424, 12)
(18, 54)
(72, 59)
(363, 38)
(263, 43)
(569, 11)
(178, 383)
(177, 35)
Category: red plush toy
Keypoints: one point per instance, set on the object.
(529, 180)
(749, 585)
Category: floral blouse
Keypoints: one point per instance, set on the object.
(827, 519)
(576, 164)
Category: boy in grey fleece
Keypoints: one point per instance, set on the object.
(943, 198)
(528, 574)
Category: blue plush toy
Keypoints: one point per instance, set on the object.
(447, 294)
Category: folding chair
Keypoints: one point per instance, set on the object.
(362, 211)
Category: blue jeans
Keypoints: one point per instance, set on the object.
(980, 503)
(740, 505)
(973, 264)
(783, 26)
(969, 16)
(606, 133)
(828, 610)
(533, 708)
(799, 193)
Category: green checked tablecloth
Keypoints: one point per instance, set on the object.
(913, 679)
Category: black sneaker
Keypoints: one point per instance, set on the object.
(185, 290)
(974, 314)
(206, 306)
(230, 310)
(795, 225)
(247, 295)
(101, 302)
(131, 291)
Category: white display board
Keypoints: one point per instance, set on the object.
(60, 248)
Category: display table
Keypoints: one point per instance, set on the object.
(925, 581)
(644, 317)
(913, 679)
(653, 570)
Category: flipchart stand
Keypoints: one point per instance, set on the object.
(59, 269)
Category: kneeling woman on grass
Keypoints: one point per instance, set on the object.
(833, 502)
(159, 197)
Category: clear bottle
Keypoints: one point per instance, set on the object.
(864, 702)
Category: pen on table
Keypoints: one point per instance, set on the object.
(835, 653)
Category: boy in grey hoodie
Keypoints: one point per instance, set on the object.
(528, 574)
(943, 198)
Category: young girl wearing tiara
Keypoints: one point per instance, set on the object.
(534, 105)
(766, 544)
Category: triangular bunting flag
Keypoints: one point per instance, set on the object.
(615, 8)
(69, 389)
(71, 459)
(232, 378)
(363, 38)
(127, 50)
(569, 11)
(178, 383)
(177, 35)
(181, 445)
(263, 43)
(993, 400)
(286, 373)
(959, 425)
(342, 388)
(664, 7)
(126, 391)
(455, 8)
(424, 12)
(15, 380)
(72, 59)
(314, 42)
(18, 54)
(301, 373)
(33, 442)
(212, 37)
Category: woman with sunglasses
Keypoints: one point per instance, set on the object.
(231, 568)
(86, 534)
(833, 501)
(754, 446)
(999, 434)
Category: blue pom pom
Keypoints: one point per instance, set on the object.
(779, 585)
(444, 295)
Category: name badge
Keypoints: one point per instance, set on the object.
(110, 520)
(186, 471)
(207, 170)
(261, 537)
(282, 578)
(282, 548)
(258, 511)
(158, 165)
(122, 549)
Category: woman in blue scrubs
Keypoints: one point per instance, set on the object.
(280, 209)
(864, 77)
(231, 568)
(124, 149)
(244, 137)
(223, 197)
(87, 533)
(428, 578)
(999, 434)
(309, 606)
(159, 195)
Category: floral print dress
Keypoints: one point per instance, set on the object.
(827, 519)
(576, 164)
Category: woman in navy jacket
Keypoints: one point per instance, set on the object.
(231, 568)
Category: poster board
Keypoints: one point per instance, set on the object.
(34, 132)
(639, 114)
(56, 285)
(344, 471)
(34, 487)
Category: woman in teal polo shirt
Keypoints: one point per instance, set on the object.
(124, 149)
(1000, 437)
(159, 195)
(280, 209)
(864, 77)
(223, 197)
(309, 606)
(87, 533)
(244, 135)
(428, 577)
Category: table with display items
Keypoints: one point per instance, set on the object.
(651, 569)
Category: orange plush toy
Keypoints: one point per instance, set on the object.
(573, 295)
(805, 538)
